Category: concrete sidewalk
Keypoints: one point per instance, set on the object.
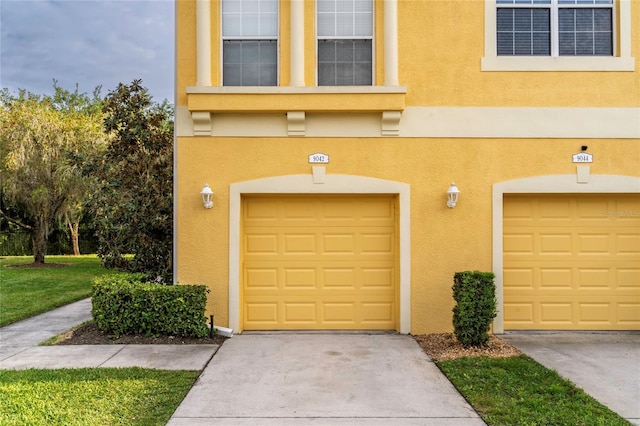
(19, 346)
(606, 365)
(323, 379)
(22, 335)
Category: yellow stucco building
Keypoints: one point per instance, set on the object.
(331, 130)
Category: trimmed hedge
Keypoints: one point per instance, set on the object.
(128, 304)
(475, 294)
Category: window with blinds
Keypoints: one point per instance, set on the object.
(345, 42)
(249, 42)
(554, 27)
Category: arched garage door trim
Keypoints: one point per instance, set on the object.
(550, 184)
(331, 184)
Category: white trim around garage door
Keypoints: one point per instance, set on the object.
(550, 184)
(329, 184)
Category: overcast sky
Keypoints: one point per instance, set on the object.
(88, 42)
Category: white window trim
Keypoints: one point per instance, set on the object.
(224, 38)
(623, 62)
(372, 38)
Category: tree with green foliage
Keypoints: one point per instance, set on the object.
(133, 210)
(43, 140)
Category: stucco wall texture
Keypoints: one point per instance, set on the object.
(443, 240)
(440, 46)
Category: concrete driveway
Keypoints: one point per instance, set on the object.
(605, 364)
(323, 379)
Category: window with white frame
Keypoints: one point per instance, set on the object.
(345, 42)
(249, 42)
(554, 28)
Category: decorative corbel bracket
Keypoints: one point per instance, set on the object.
(391, 123)
(201, 123)
(296, 123)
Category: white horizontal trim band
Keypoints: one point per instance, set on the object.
(521, 122)
(437, 122)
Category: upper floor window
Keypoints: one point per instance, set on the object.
(249, 42)
(554, 27)
(345, 42)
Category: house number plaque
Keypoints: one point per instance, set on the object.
(319, 158)
(582, 157)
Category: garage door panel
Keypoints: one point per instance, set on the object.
(553, 243)
(339, 312)
(338, 243)
(519, 277)
(519, 314)
(298, 243)
(628, 278)
(555, 313)
(378, 276)
(627, 243)
(264, 244)
(540, 275)
(261, 277)
(568, 315)
(300, 312)
(309, 274)
(629, 315)
(375, 313)
(299, 278)
(303, 211)
(596, 278)
(273, 313)
(555, 278)
(338, 277)
(596, 313)
(532, 241)
(571, 263)
(263, 212)
(377, 243)
(324, 262)
(263, 313)
(292, 243)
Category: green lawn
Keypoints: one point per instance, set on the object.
(25, 292)
(519, 391)
(103, 396)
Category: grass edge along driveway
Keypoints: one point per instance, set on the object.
(520, 391)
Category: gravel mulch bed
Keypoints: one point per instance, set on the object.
(444, 346)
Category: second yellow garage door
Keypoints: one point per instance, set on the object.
(319, 262)
(572, 262)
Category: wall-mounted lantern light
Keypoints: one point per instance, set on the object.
(452, 195)
(207, 196)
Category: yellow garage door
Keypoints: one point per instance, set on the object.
(572, 262)
(319, 262)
